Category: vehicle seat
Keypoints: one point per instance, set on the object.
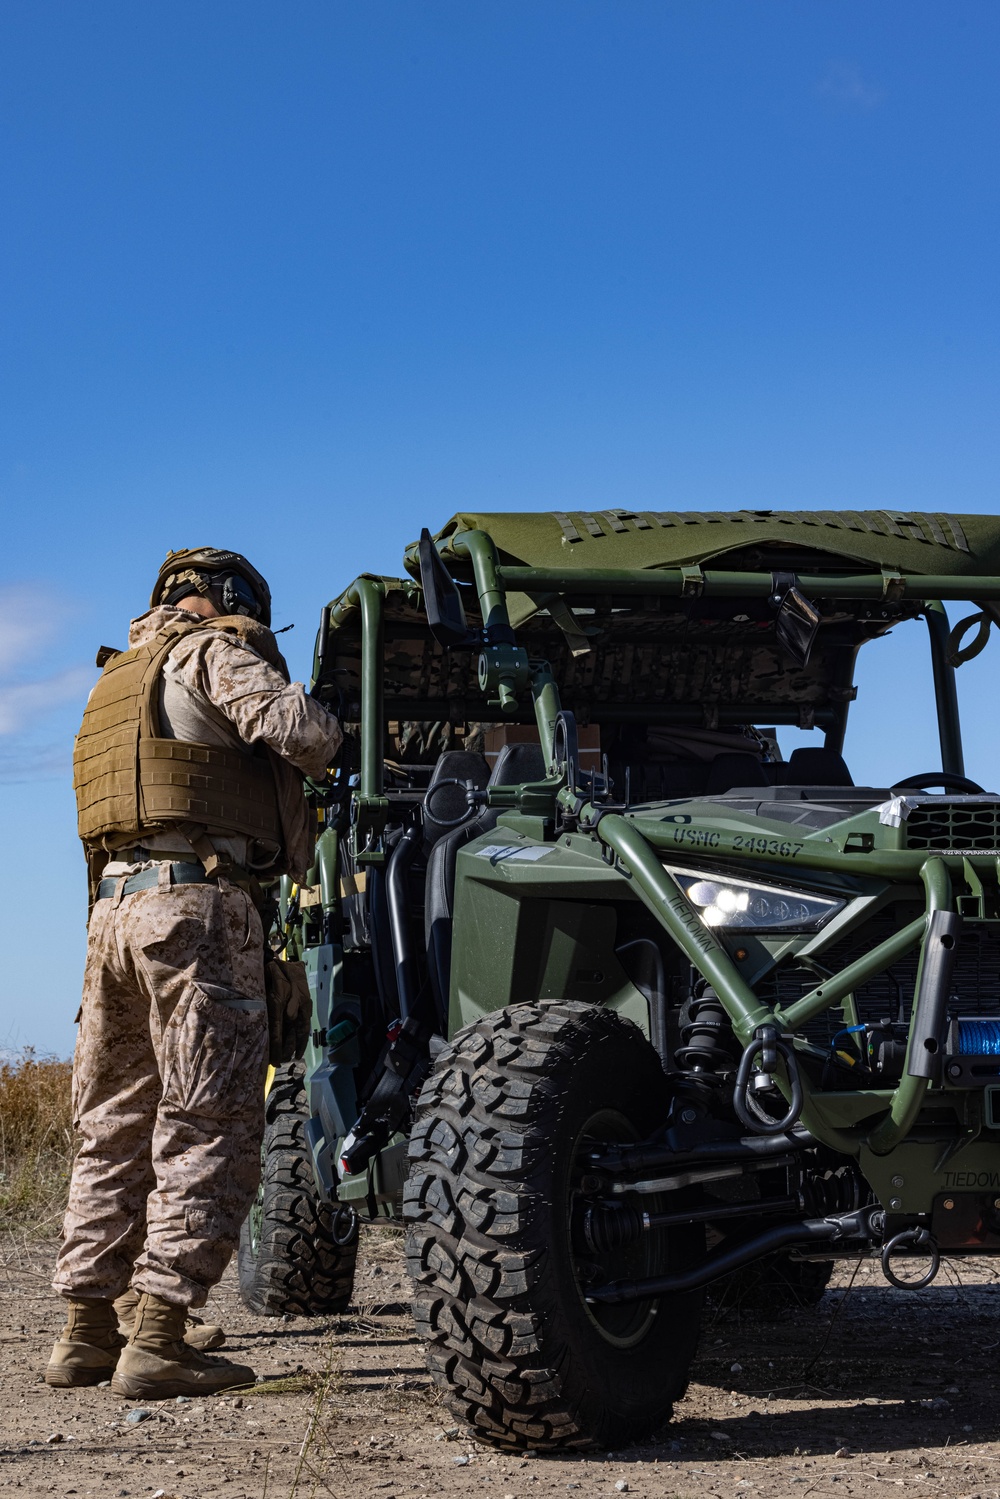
(454, 765)
(516, 764)
(734, 769)
(661, 780)
(817, 767)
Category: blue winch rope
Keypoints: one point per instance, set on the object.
(979, 1038)
(848, 1030)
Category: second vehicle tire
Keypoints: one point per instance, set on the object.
(297, 1254)
(497, 1183)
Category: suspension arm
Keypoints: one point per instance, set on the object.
(846, 1227)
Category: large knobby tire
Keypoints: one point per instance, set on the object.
(297, 1253)
(496, 1162)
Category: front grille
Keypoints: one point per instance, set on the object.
(955, 825)
(975, 989)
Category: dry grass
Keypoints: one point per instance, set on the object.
(36, 1140)
(317, 1447)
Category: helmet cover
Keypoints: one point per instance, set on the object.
(204, 567)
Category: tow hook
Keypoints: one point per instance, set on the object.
(911, 1241)
(769, 1046)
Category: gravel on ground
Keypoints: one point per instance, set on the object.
(874, 1387)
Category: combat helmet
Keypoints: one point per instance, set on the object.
(200, 569)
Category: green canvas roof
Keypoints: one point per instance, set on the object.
(936, 543)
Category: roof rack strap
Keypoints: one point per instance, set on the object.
(958, 654)
(570, 533)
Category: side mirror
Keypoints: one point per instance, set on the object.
(442, 600)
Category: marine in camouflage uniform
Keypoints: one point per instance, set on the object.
(168, 1077)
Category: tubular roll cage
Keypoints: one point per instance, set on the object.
(883, 1117)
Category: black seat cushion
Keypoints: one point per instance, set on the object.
(518, 763)
(658, 780)
(734, 769)
(441, 808)
(817, 767)
(672, 780)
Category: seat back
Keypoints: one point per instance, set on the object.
(463, 766)
(658, 780)
(734, 769)
(817, 767)
(518, 763)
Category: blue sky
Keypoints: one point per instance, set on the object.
(300, 279)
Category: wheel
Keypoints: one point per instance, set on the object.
(493, 1203)
(297, 1253)
(774, 1284)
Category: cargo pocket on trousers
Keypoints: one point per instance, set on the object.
(215, 1053)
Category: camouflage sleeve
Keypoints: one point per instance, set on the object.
(257, 699)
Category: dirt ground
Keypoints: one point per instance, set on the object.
(874, 1387)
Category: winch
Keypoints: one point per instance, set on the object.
(972, 1054)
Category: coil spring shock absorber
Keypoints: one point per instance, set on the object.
(832, 1190)
(708, 1051)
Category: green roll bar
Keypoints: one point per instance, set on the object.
(945, 690)
(493, 580)
(728, 585)
(370, 805)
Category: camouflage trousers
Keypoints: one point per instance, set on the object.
(168, 1092)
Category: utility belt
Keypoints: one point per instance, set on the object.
(286, 987)
(207, 867)
(183, 872)
(177, 873)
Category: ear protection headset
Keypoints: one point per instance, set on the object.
(238, 597)
(227, 577)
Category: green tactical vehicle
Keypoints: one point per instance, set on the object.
(629, 1004)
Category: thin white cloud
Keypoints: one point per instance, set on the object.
(844, 85)
(22, 704)
(30, 617)
(20, 762)
(38, 705)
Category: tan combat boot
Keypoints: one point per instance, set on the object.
(88, 1347)
(197, 1334)
(157, 1364)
